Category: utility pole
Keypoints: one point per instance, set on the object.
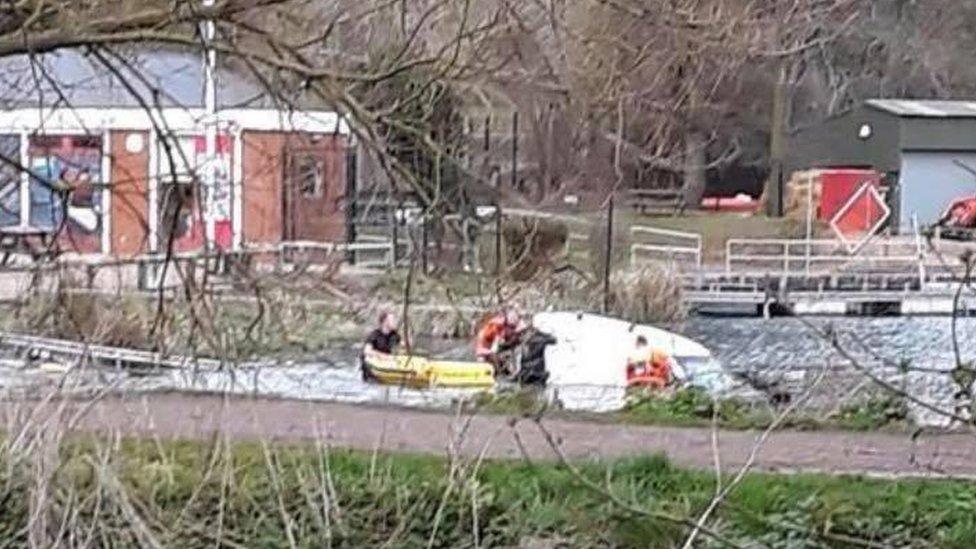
(498, 196)
(777, 146)
(515, 151)
(609, 257)
(209, 180)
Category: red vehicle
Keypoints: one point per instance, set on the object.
(961, 213)
(959, 220)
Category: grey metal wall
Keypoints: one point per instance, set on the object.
(931, 180)
(835, 142)
(939, 134)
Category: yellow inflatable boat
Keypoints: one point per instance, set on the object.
(415, 371)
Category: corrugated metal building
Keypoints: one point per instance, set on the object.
(921, 145)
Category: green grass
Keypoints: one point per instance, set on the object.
(186, 494)
(693, 407)
(433, 288)
(715, 228)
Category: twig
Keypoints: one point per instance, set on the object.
(750, 461)
(616, 500)
(835, 344)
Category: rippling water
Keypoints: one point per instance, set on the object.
(755, 343)
(909, 353)
(739, 343)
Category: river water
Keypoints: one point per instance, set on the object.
(740, 344)
(755, 343)
(911, 355)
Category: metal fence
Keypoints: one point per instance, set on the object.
(818, 256)
(680, 248)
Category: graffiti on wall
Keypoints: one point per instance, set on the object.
(219, 202)
(186, 202)
(65, 192)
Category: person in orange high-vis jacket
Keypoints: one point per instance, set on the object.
(497, 335)
(647, 367)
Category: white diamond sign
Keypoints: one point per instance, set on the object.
(860, 217)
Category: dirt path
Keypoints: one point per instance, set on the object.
(396, 429)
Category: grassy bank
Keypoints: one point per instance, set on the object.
(281, 327)
(249, 495)
(274, 319)
(693, 407)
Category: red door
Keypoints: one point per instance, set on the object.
(311, 195)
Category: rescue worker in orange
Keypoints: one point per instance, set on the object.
(648, 367)
(498, 335)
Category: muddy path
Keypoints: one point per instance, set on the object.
(183, 416)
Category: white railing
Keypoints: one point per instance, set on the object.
(818, 256)
(652, 243)
(539, 214)
(146, 271)
(376, 247)
(379, 254)
(577, 244)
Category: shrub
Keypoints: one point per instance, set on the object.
(649, 294)
(529, 246)
(691, 406)
(873, 413)
(86, 317)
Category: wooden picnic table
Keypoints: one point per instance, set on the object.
(656, 201)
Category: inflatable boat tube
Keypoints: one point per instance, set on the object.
(420, 372)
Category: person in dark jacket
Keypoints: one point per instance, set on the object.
(383, 339)
(533, 365)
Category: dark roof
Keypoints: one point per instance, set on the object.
(912, 108)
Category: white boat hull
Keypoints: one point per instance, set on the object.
(587, 364)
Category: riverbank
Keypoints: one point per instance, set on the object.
(693, 407)
(275, 323)
(201, 417)
(277, 473)
(256, 313)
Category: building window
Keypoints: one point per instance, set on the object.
(65, 188)
(9, 180)
(179, 213)
(177, 159)
(179, 222)
(186, 200)
(310, 176)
